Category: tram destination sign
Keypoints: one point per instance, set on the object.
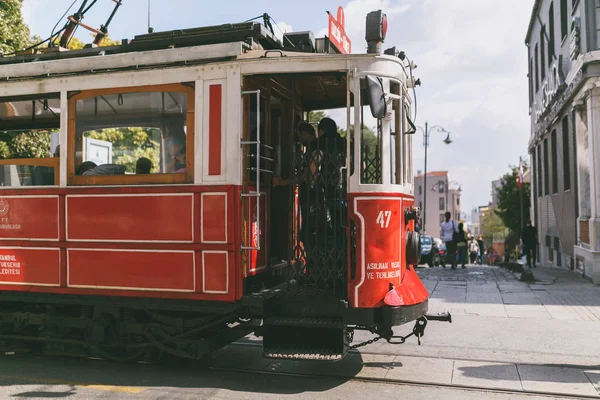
(337, 34)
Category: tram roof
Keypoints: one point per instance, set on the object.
(246, 40)
(253, 35)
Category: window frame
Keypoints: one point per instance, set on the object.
(554, 151)
(52, 162)
(160, 178)
(566, 154)
(564, 19)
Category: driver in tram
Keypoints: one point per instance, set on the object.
(328, 155)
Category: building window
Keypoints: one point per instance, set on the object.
(551, 33)
(442, 205)
(458, 201)
(420, 205)
(564, 19)
(441, 186)
(542, 53)
(442, 218)
(539, 171)
(597, 23)
(537, 70)
(533, 172)
(531, 77)
(420, 189)
(554, 163)
(566, 161)
(546, 174)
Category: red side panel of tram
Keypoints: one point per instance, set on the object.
(165, 242)
(381, 275)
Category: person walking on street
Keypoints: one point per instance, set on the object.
(473, 250)
(448, 229)
(481, 249)
(529, 238)
(460, 238)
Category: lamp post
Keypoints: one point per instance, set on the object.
(426, 133)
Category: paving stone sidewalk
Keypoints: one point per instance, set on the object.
(426, 370)
(496, 292)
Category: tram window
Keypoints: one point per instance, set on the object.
(396, 142)
(370, 154)
(140, 133)
(29, 136)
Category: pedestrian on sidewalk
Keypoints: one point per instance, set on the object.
(460, 238)
(447, 231)
(473, 250)
(481, 249)
(529, 238)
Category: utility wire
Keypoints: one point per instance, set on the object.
(62, 18)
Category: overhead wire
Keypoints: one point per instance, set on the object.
(63, 17)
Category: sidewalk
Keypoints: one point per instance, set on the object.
(526, 378)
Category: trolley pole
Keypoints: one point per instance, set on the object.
(426, 142)
(426, 133)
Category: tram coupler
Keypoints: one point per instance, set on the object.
(444, 317)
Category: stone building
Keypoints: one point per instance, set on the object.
(441, 197)
(564, 74)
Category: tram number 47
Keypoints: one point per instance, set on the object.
(383, 219)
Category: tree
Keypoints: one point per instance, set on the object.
(76, 44)
(316, 116)
(509, 201)
(130, 144)
(492, 227)
(14, 34)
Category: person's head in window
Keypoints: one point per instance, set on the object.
(143, 166)
(306, 133)
(57, 151)
(327, 125)
(86, 166)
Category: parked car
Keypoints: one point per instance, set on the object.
(429, 251)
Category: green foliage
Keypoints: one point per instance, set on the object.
(14, 34)
(130, 144)
(76, 44)
(509, 200)
(25, 144)
(316, 116)
(492, 226)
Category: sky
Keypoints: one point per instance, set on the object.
(470, 56)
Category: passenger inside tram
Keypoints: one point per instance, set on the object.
(143, 166)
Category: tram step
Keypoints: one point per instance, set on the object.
(303, 354)
(304, 338)
(315, 322)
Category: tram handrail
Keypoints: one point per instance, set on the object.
(256, 193)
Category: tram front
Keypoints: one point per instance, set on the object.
(355, 248)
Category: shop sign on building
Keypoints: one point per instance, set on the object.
(550, 87)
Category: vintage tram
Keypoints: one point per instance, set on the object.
(138, 209)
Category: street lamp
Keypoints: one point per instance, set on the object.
(426, 133)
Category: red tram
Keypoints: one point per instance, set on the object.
(144, 219)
